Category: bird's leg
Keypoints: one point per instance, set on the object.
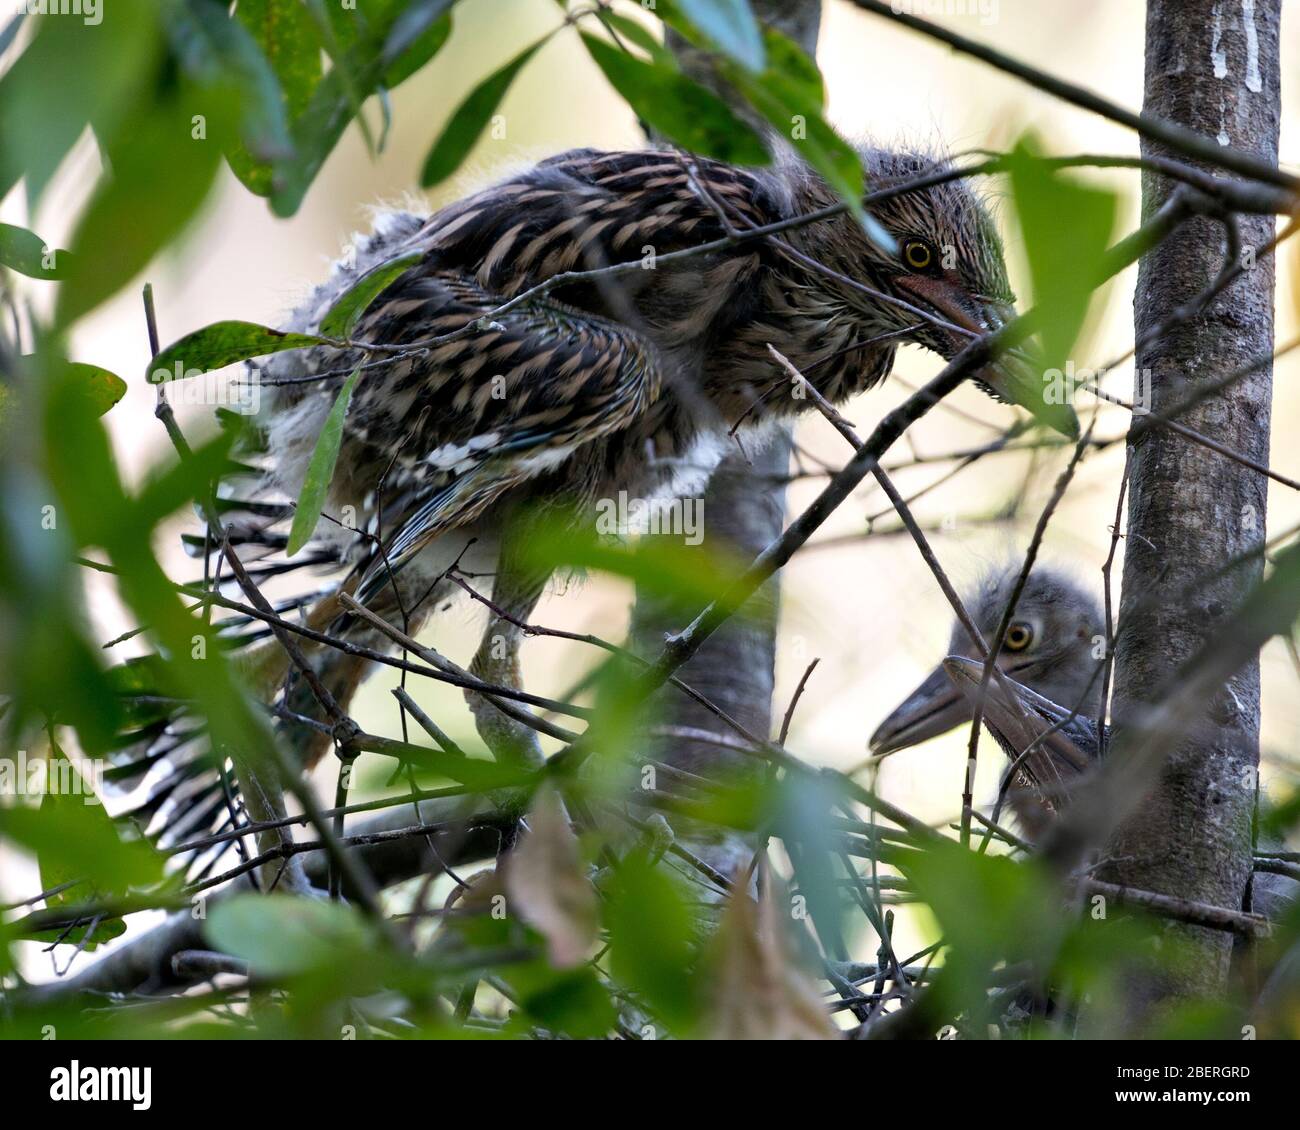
(515, 593)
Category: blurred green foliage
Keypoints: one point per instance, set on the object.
(1065, 259)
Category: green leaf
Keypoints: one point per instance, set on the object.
(320, 470)
(808, 807)
(135, 212)
(688, 575)
(179, 483)
(237, 82)
(991, 910)
(25, 252)
(574, 1001)
(374, 46)
(569, 1001)
(100, 858)
(357, 299)
(102, 388)
(790, 106)
(416, 36)
(347, 24)
(75, 841)
(43, 113)
(287, 38)
(221, 344)
(437, 766)
(987, 905)
(280, 936)
(678, 107)
(640, 36)
(790, 94)
(729, 25)
(1066, 226)
(284, 31)
(651, 940)
(315, 134)
(353, 37)
(94, 509)
(141, 678)
(791, 72)
(470, 118)
(51, 670)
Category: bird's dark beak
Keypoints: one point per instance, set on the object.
(934, 708)
(1008, 378)
(1018, 716)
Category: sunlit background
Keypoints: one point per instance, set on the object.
(866, 606)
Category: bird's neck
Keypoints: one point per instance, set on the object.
(821, 339)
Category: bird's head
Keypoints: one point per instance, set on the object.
(1049, 647)
(942, 284)
(1051, 744)
(1019, 717)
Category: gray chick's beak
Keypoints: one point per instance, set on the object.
(1019, 717)
(934, 708)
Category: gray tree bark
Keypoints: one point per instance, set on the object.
(743, 511)
(1213, 67)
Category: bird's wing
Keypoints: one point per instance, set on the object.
(587, 209)
(479, 413)
(482, 413)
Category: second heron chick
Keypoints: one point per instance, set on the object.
(1048, 697)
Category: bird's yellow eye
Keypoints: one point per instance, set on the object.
(1019, 636)
(918, 254)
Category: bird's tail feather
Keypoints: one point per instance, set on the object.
(163, 771)
(177, 790)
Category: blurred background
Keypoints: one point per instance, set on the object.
(865, 605)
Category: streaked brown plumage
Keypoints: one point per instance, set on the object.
(630, 382)
(671, 356)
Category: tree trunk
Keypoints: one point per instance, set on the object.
(743, 511)
(1213, 67)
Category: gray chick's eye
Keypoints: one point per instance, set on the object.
(1019, 636)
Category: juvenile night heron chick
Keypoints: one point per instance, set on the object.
(626, 382)
(1048, 702)
(1050, 695)
(616, 383)
(1020, 719)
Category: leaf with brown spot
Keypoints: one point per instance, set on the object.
(222, 344)
(102, 388)
(547, 884)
